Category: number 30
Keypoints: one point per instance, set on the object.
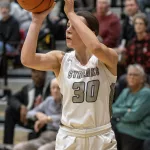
(91, 91)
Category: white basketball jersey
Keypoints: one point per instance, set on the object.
(86, 92)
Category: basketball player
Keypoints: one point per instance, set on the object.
(86, 77)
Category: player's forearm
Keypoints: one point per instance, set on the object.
(30, 44)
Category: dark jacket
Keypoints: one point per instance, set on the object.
(10, 30)
(24, 97)
(127, 30)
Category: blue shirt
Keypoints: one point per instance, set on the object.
(50, 108)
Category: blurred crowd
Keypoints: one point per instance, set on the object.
(38, 106)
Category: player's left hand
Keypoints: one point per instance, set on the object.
(69, 6)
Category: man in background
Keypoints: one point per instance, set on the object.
(131, 119)
(9, 29)
(19, 104)
(47, 113)
(109, 24)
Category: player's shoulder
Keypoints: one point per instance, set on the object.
(68, 56)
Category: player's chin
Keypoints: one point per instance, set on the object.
(69, 45)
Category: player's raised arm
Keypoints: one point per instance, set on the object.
(29, 57)
(107, 55)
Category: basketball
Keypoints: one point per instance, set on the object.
(35, 6)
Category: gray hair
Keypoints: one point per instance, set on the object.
(139, 68)
(108, 1)
(141, 16)
(5, 4)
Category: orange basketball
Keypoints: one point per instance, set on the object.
(36, 6)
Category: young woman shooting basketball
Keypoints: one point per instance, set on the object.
(86, 77)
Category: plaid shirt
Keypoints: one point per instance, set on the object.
(139, 52)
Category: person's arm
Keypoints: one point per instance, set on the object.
(138, 110)
(55, 118)
(40, 108)
(107, 55)
(29, 57)
(119, 108)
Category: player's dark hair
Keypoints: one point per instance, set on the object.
(91, 20)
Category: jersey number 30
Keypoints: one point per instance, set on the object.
(91, 91)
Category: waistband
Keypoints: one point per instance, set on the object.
(84, 133)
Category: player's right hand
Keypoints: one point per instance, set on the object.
(39, 17)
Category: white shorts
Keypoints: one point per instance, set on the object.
(101, 138)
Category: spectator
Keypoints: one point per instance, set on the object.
(109, 24)
(87, 5)
(57, 21)
(138, 50)
(48, 112)
(143, 4)
(19, 104)
(131, 113)
(21, 15)
(131, 9)
(9, 28)
(15, 10)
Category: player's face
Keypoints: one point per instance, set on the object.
(131, 7)
(134, 78)
(139, 26)
(55, 90)
(73, 40)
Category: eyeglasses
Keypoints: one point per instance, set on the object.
(133, 74)
(139, 23)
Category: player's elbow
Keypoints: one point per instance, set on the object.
(25, 61)
(94, 46)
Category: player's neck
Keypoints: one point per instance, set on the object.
(83, 56)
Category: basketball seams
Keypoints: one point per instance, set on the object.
(41, 5)
(51, 2)
(37, 5)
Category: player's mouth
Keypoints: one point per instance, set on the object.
(68, 38)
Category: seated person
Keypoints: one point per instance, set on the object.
(18, 105)
(47, 113)
(9, 29)
(57, 21)
(127, 32)
(109, 24)
(131, 119)
(137, 50)
(21, 15)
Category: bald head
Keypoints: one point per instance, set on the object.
(102, 7)
(55, 90)
(54, 81)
